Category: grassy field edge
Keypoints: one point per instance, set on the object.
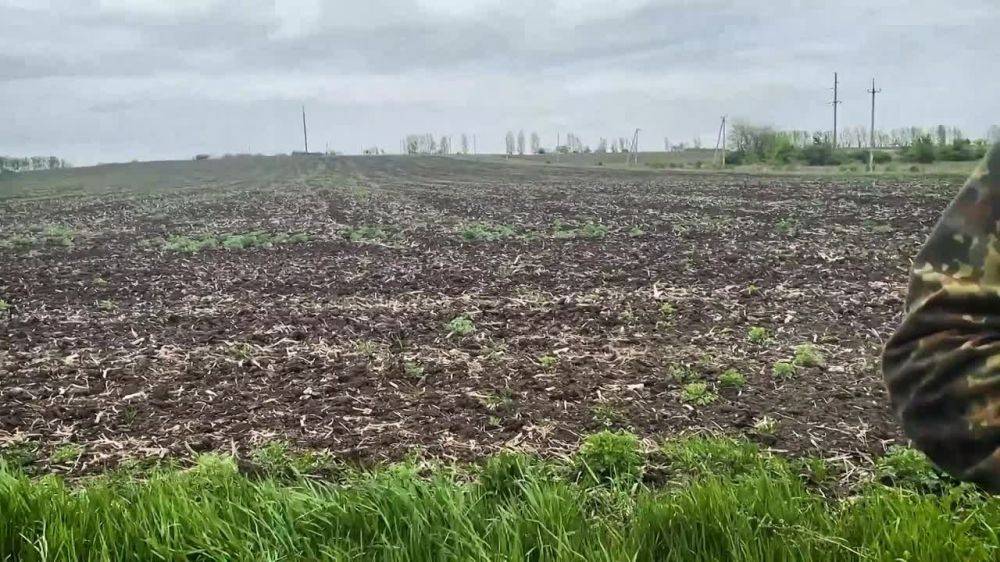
(695, 498)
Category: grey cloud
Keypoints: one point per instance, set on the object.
(144, 78)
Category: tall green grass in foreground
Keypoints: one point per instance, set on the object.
(721, 500)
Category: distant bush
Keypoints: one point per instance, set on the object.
(922, 150)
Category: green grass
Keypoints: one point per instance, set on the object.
(480, 232)
(722, 500)
(237, 241)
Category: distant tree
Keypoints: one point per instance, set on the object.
(696, 142)
(465, 143)
(666, 144)
(520, 142)
(510, 142)
(993, 134)
(921, 150)
(602, 146)
(536, 143)
(444, 147)
(942, 135)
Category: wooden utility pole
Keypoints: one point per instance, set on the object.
(836, 101)
(305, 135)
(871, 142)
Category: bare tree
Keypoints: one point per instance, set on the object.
(602, 146)
(510, 143)
(465, 143)
(536, 143)
(520, 142)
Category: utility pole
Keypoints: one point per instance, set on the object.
(721, 141)
(635, 147)
(871, 142)
(836, 101)
(305, 135)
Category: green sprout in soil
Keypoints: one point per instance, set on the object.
(66, 453)
(667, 309)
(607, 415)
(806, 355)
(548, 361)
(461, 326)
(758, 335)
(732, 379)
(413, 369)
(698, 393)
(783, 369)
(765, 425)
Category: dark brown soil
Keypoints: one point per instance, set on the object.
(125, 348)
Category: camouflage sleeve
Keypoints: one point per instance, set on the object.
(942, 366)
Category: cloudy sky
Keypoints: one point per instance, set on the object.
(112, 80)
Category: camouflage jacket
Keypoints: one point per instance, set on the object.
(942, 366)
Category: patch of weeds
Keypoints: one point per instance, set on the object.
(667, 309)
(461, 326)
(4, 306)
(367, 348)
(493, 351)
(480, 232)
(257, 239)
(807, 355)
(241, 351)
(783, 370)
(698, 394)
(66, 453)
(766, 425)
(18, 242)
(19, 454)
(905, 467)
(100, 282)
(587, 230)
(610, 458)
(190, 245)
(787, 226)
(128, 415)
(107, 305)
(413, 369)
(293, 238)
(758, 335)
(58, 235)
(505, 474)
(813, 469)
(732, 378)
(500, 402)
(752, 290)
(272, 457)
(365, 234)
(725, 457)
(607, 415)
(548, 361)
(635, 232)
(593, 230)
(682, 374)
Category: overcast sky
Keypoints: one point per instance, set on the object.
(113, 80)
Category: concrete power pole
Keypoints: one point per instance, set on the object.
(305, 135)
(836, 101)
(871, 142)
(721, 142)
